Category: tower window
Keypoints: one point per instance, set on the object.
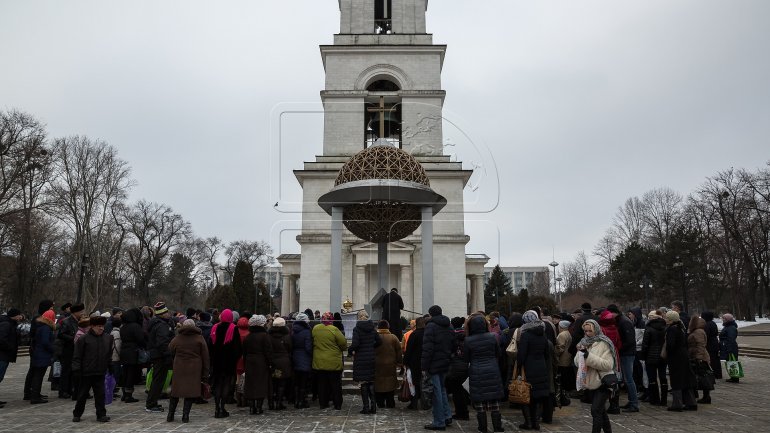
(383, 18)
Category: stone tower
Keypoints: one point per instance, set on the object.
(383, 63)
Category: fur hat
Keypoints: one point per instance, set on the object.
(302, 317)
(672, 316)
(279, 321)
(97, 320)
(84, 322)
(77, 308)
(257, 320)
(159, 308)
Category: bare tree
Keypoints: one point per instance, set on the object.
(629, 222)
(661, 214)
(607, 248)
(22, 140)
(211, 248)
(256, 253)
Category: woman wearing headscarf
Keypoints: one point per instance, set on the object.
(388, 358)
(413, 359)
(328, 346)
(302, 358)
(225, 352)
(712, 343)
(365, 339)
(481, 351)
(281, 341)
(257, 359)
(243, 332)
(610, 328)
(191, 367)
(566, 372)
(600, 359)
(652, 345)
(682, 378)
(728, 341)
(532, 356)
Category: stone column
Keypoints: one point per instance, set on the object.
(294, 294)
(359, 288)
(383, 272)
(285, 294)
(427, 258)
(407, 290)
(335, 271)
(478, 284)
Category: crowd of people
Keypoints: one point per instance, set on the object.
(230, 357)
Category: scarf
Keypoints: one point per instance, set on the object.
(226, 318)
(599, 336)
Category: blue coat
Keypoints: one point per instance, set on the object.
(42, 352)
(481, 351)
(437, 345)
(365, 339)
(728, 340)
(302, 346)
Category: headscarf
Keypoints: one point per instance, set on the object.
(599, 336)
(188, 323)
(225, 319)
(243, 327)
(531, 320)
(327, 318)
(257, 320)
(362, 315)
(302, 317)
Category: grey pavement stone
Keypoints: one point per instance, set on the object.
(737, 408)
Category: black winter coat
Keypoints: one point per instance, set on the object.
(627, 336)
(653, 340)
(132, 337)
(65, 338)
(458, 368)
(365, 339)
(533, 357)
(413, 358)
(481, 351)
(9, 339)
(93, 354)
(728, 340)
(282, 351)
(712, 343)
(301, 347)
(677, 358)
(436, 345)
(224, 357)
(160, 332)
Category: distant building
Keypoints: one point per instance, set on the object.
(271, 276)
(520, 276)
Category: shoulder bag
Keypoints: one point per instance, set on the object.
(519, 390)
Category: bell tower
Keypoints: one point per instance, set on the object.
(383, 81)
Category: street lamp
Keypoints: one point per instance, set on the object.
(84, 264)
(554, 264)
(646, 284)
(559, 280)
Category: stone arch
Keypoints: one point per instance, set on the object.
(383, 72)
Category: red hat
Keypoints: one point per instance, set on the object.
(50, 315)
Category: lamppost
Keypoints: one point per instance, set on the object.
(84, 264)
(559, 280)
(646, 284)
(554, 264)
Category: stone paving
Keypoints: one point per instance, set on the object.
(737, 408)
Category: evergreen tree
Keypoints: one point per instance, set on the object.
(222, 297)
(179, 282)
(498, 286)
(243, 285)
(264, 301)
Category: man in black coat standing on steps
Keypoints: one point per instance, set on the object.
(392, 304)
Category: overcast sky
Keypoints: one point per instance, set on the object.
(578, 104)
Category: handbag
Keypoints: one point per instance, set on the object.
(404, 394)
(519, 390)
(205, 391)
(143, 356)
(610, 381)
(109, 388)
(734, 367)
(513, 347)
(704, 375)
(56, 369)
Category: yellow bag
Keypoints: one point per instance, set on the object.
(519, 390)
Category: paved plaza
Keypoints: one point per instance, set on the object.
(737, 408)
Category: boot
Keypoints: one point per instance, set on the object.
(497, 421)
(222, 409)
(259, 410)
(614, 408)
(128, 395)
(706, 398)
(654, 393)
(527, 425)
(663, 395)
(365, 398)
(217, 408)
(188, 402)
(533, 414)
(547, 410)
(372, 397)
(481, 418)
(252, 407)
(172, 402)
(279, 398)
(564, 400)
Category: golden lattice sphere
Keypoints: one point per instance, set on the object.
(382, 162)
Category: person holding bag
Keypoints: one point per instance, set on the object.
(533, 356)
(728, 341)
(699, 358)
(365, 340)
(481, 351)
(598, 353)
(191, 367)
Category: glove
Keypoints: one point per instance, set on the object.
(584, 352)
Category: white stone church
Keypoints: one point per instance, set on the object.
(383, 58)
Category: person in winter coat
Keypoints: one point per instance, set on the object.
(610, 329)
(257, 359)
(533, 359)
(160, 332)
(282, 350)
(243, 332)
(627, 351)
(699, 356)
(652, 345)
(115, 366)
(458, 371)
(682, 377)
(225, 352)
(436, 356)
(388, 358)
(42, 355)
(566, 369)
(712, 343)
(132, 340)
(728, 340)
(42, 307)
(191, 367)
(638, 319)
(392, 304)
(301, 359)
(598, 352)
(9, 340)
(481, 351)
(365, 339)
(328, 346)
(91, 361)
(413, 360)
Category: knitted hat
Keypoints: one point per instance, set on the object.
(189, 323)
(672, 316)
(106, 314)
(302, 317)
(434, 311)
(13, 312)
(279, 321)
(77, 308)
(614, 308)
(98, 320)
(257, 320)
(50, 315)
(205, 317)
(564, 324)
(160, 308)
(457, 322)
(226, 316)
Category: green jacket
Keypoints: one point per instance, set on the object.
(328, 346)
